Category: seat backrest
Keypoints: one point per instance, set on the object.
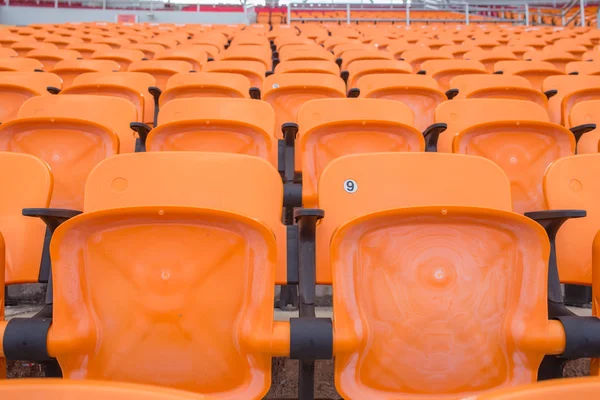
(475, 182)
(253, 70)
(416, 57)
(497, 87)
(521, 144)
(460, 114)
(194, 56)
(203, 84)
(28, 182)
(570, 183)
(161, 70)
(68, 70)
(123, 56)
(87, 49)
(361, 68)
(71, 133)
(251, 53)
(49, 57)
(307, 66)
(583, 68)
(17, 87)
(352, 56)
(420, 93)
(288, 92)
(444, 70)
(227, 125)
(25, 46)
(571, 89)
(20, 64)
(534, 71)
(586, 112)
(132, 86)
(331, 128)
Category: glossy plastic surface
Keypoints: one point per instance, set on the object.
(585, 112)
(203, 84)
(442, 305)
(497, 87)
(286, 93)
(361, 68)
(241, 126)
(571, 89)
(534, 71)
(253, 70)
(523, 149)
(419, 92)
(18, 87)
(62, 389)
(131, 86)
(28, 183)
(444, 70)
(331, 128)
(307, 67)
(163, 178)
(50, 57)
(212, 348)
(570, 183)
(161, 70)
(122, 56)
(20, 64)
(584, 388)
(474, 181)
(68, 70)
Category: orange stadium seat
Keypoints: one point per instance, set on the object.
(253, 70)
(307, 67)
(286, 93)
(68, 70)
(361, 68)
(161, 70)
(419, 92)
(570, 89)
(203, 84)
(18, 87)
(534, 71)
(444, 70)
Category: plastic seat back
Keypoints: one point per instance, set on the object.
(352, 56)
(248, 53)
(203, 84)
(416, 57)
(307, 67)
(586, 112)
(49, 58)
(331, 128)
(489, 57)
(72, 133)
(149, 50)
(161, 70)
(224, 125)
(225, 356)
(314, 53)
(20, 64)
(570, 183)
(534, 71)
(419, 92)
(497, 87)
(253, 70)
(25, 46)
(88, 49)
(392, 270)
(558, 58)
(361, 68)
(571, 89)
(68, 70)
(515, 134)
(63, 389)
(583, 68)
(18, 87)
(286, 93)
(28, 184)
(124, 57)
(197, 58)
(132, 86)
(444, 70)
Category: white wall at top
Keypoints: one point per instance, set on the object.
(41, 15)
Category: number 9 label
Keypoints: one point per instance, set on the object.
(350, 186)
